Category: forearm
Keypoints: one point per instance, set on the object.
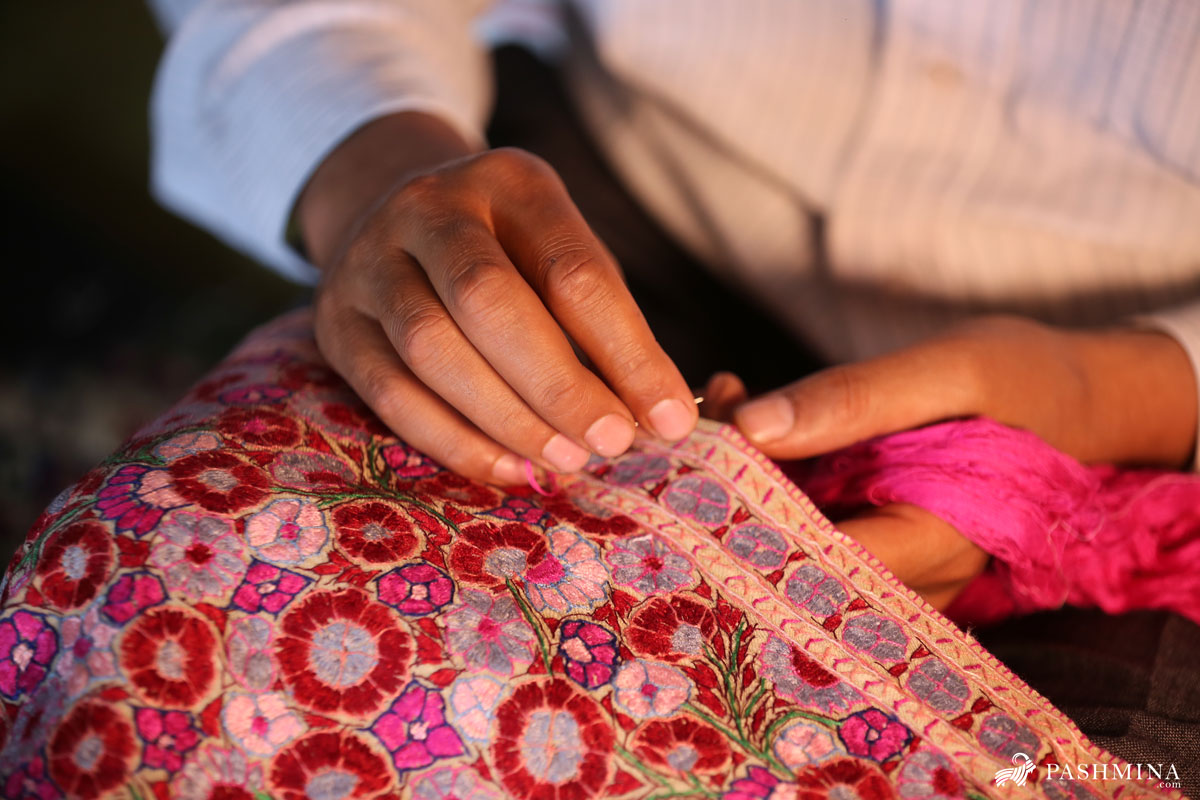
(364, 169)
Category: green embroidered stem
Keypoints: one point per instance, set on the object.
(735, 711)
(640, 767)
(527, 612)
(429, 510)
(764, 752)
(762, 690)
(795, 714)
(36, 548)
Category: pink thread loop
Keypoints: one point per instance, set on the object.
(529, 476)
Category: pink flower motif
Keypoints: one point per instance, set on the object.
(255, 395)
(287, 531)
(27, 647)
(248, 652)
(647, 689)
(589, 652)
(416, 590)
(519, 509)
(451, 783)
(488, 632)
(414, 730)
(874, 734)
(473, 702)
(261, 723)
(929, 775)
(796, 676)
(759, 784)
(87, 651)
(763, 547)
(136, 497)
(187, 444)
(646, 563)
(215, 772)
(408, 464)
(132, 594)
(200, 556)
(268, 588)
(802, 744)
(30, 781)
(168, 735)
(570, 578)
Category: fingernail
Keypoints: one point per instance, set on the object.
(563, 454)
(766, 419)
(610, 435)
(509, 470)
(672, 419)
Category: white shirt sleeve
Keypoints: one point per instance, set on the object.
(1183, 324)
(251, 95)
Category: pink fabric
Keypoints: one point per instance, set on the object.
(1059, 532)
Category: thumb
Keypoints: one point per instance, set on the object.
(837, 407)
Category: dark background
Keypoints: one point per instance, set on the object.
(112, 307)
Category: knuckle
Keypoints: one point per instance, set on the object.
(633, 360)
(851, 394)
(422, 334)
(477, 287)
(513, 161)
(557, 395)
(573, 274)
(379, 382)
(419, 192)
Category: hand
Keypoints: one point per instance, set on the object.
(454, 286)
(1126, 396)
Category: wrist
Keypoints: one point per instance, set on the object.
(363, 170)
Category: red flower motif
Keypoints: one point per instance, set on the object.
(588, 517)
(487, 555)
(91, 750)
(219, 481)
(843, 777)
(566, 731)
(457, 489)
(76, 561)
(168, 656)
(342, 653)
(409, 464)
(682, 744)
(259, 426)
(349, 423)
(341, 761)
(372, 532)
(672, 628)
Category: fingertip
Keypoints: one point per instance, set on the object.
(610, 435)
(723, 392)
(508, 470)
(564, 455)
(672, 419)
(765, 419)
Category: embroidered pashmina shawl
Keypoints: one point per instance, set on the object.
(266, 595)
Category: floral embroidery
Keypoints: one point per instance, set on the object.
(648, 565)
(414, 730)
(473, 702)
(874, 734)
(671, 629)
(570, 578)
(810, 588)
(199, 556)
(77, 561)
(136, 497)
(133, 593)
(91, 750)
(260, 427)
(288, 531)
(408, 464)
(169, 736)
(802, 744)
(30, 781)
(802, 679)
(452, 784)
(168, 655)
(879, 637)
(587, 516)
(342, 653)
(219, 481)
(87, 651)
(311, 472)
(213, 772)
(843, 777)
(27, 647)
(759, 783)
(638, 470)
(589, 652)
(938, 685)
(416, 590)
(373, 532)
(331, 764)
(1003, 737)
(187, 444)
(551, 740)
(248, 650)
(519, 509)
(763, 547)
(682, 745)
(646, 689)
(260, 723)
(699, 499)
(489, 632)
(929, 776)
(268, 588)
(491, 556)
